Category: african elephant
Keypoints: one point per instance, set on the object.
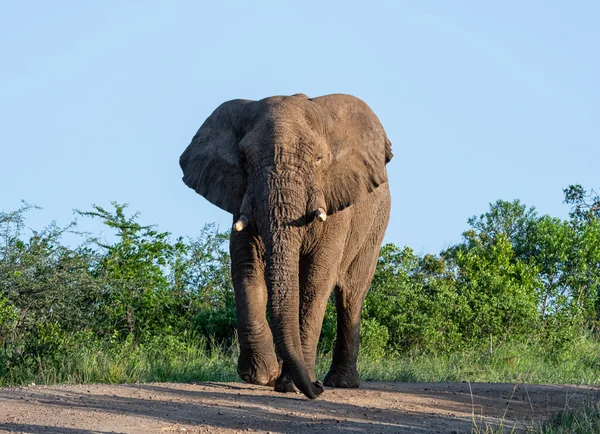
(306, 182)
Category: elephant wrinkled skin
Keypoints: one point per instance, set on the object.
(306, 182)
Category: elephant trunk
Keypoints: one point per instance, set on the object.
(280, 212)
(282, 270)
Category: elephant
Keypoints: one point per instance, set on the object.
(306, 182)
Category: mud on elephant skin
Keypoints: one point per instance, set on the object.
(306, 182)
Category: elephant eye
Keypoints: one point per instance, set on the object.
(318, 158)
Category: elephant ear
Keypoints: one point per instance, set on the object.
(359, 148)
(211, 164)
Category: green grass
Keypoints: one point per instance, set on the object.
(169, 359)
(578, 421)
(585, 420)
(164, 360)
(517, 363)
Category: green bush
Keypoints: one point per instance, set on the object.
(8, 320)
(373, 339)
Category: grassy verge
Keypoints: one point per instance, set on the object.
(168, 359)
(517, 363)
(164, 359)
(585, 420)
(578, 421)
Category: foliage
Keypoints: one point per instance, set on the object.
(136, 297)
(499, 290)
(585, 206)
(207, 276)
(41, 280)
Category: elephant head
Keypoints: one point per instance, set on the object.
(282, 164)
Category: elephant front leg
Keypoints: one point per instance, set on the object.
(257, 363)
(317, 278)
(317, 288)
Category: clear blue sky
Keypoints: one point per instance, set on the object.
(482, 100)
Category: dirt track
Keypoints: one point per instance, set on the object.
(237, 407)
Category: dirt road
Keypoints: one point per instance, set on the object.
(237, 407)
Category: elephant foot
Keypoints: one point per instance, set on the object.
(344, 378)
(258, 368)
(284, 384)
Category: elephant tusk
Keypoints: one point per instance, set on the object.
(241, 223)
(321, 214)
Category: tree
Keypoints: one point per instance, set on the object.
(499, 289)
(44, 280)
(585, 207)
(205, 273)
(512, 219)
(136, 296)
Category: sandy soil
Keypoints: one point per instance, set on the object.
(237, 407)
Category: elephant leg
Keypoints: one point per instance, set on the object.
(257, 363)
(317, 278)
(350, 295)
